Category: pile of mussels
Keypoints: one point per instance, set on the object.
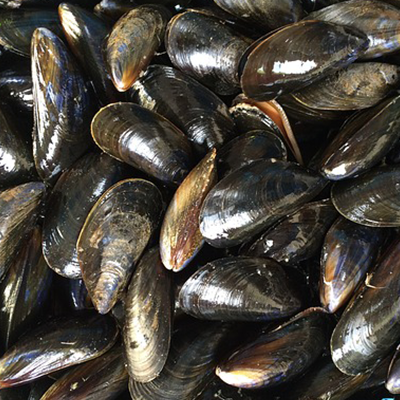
(209, 204)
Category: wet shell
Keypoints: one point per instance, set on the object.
(143, 139)
(273, 68)
(180, 237)
(279, 356)
(73, 294)
(393, 376)
(71, 200)
(16, 89)
(85, 34)
(17, 27)
(245, 149)
(193, 108)
(102, 378)
(254, 197)
(16, 159)
(149, 311)
(356, 87)
(370, 325)
(24, 291)
(239, 289)
(377, 19)
(114, 9)
(206, 49)
(19, 208)
(348, 253)
(114, 235)
(266, 14)
(298, 237)
(373, 199)
(190, 363)
(62, 106)
(362, 142)
(133, 42)
(55, 345)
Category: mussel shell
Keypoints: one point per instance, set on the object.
(102, 378)
(180, 237)
(149, 311)
(41, 3)
(278, 356)
(133, 42)
(19, 208)
(266, 14)
(362, 142)
(115, 233)
(114, 9)
(252, 146)
(24, 291)
(216, 389)
(62, 106)
(370, 325)
(348, 253)
(55, 345)
(298, 237)
(393, 376)
(37, 388)
(373, 199)
(17, 27)
(274, 68)
(240, 289)
(358, 86)
(16, 159)
(75, 193)
(143, 139)
(193, 108)
(377, 19)
(206, 49)
(85, 34)
(73, 294)
(16, 89)
(254, 197)
(190, 363)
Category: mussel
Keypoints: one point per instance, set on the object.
(143, 139)
(62, 106)
(16, 89)
(252, 198)
(298, 55)
(180, 237)
(133, 42)
(115, 233)
(193, 108)
(240, 289)
(149, 311)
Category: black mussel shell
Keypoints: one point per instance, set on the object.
(252, 146)
(114, 9)
(297, 237)
(16, 89)
(37, 388)
(252, 198)
(16, 159)
(143, 139)
(115, 233)
(24, 291)
(191, 360)
(370, 325)
(133, 42)
(265, 14)
(55, 345)
(298, 55)
(102, 378)
(193, 108)
(41, 3)
(71, 200)
(393, 376)
(348, 253)
(206, 49)
(362, 142)
(62, 106)
(148, 316)
(240, 289)
(180, 237)
(19, 208)
(278, 356)
(85, 34)
(72, 293)
(17, 27)
(216, 389)
(377, 19)
(373, 199)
